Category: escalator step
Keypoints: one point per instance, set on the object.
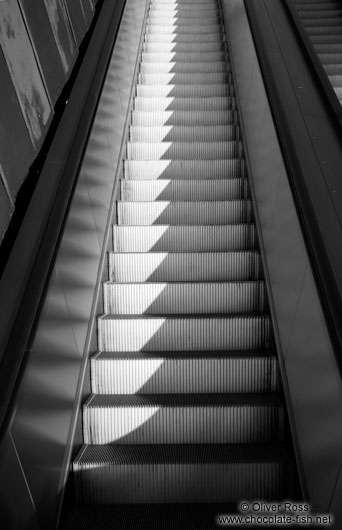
(187, 57)
(183, 372)
(184, 169)
(184, 78)
(165, 47)
(183, 133)
(184, 267)
(183, 419)
(183, 298)
(183, 213)
(183, 150)
(181, 473)
(183, 67)
(183, 333)
(183, 190)
(183, 238)
(184, 117)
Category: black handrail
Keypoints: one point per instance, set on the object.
(322, 257)
(321, 76)
(29, 266)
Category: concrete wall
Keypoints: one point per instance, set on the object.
(39, 43)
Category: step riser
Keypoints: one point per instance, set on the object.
(184, 78)
(184, 91)
(172, 299)
(187, 29)
(187, 104)
(183, 239)
(186, 57)
(183, 47)
(188, 68)
(173, 21)
(183, 9)
(173, 190)
(184, 376)
(172, 334)
(183, 267)
(183, 134)
(184, 118)
(179, 425)
(183, 37)
(184, 169)
(182, 483)
(183, 213)
(183, 150)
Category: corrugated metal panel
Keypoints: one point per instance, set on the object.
(77, 19)
(43, 40)
(62, 31)
(24, 71)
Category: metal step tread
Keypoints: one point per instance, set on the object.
(184, 212)
(172, 238)
(118, 455)
(184, 169)
(183, 133)
(191, 355)
(147, 516)
(127, 267)
(258, 317)
(183, 400)
(183, 117)
(183, 190)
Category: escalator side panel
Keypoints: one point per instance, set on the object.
(314, 389)
(42, 429)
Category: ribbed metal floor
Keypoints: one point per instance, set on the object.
(186, 406)
(322, 20)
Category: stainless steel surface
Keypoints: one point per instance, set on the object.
(309, 365)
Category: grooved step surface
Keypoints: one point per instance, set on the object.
(183, 238)
(182, 419)
(182, 267)
(184, 169)
(189, 103)
(183, 372)
(181, 473)
(186, 404)
(209, 133)
(183, 190)
(180, 298)
(168, 47)
(184, 118)
(183, 213)
(184, 333)
(194, 91)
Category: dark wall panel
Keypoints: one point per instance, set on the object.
(25, 74)
(45, 46)
(77, 19)
(88, 10)
(6, 209)
(16, 148)
(14, 489)
(62, 31)
(39, 43)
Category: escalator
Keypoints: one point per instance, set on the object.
(322, 20)
(186, 404)
(171, 306)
